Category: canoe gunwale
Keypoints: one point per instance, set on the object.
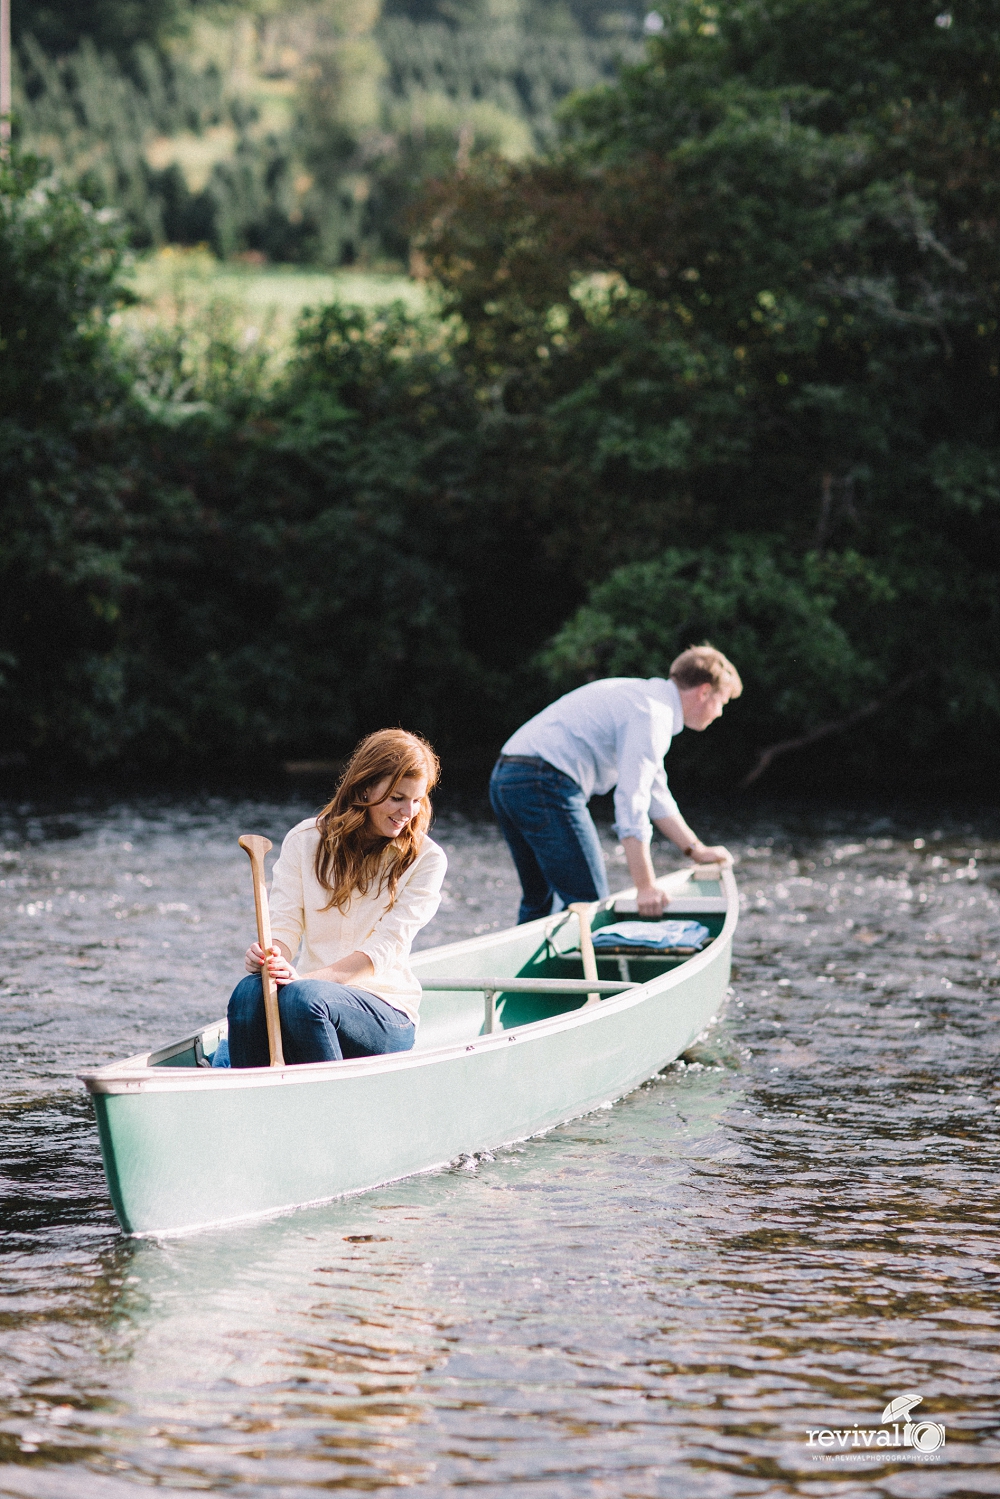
(133, 1075)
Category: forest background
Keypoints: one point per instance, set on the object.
(709, 350)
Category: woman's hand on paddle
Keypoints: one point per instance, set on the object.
(280, 968)
(278, 965)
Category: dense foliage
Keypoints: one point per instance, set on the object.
(200, 566)
(112, 25)
(62, 499)
(723, 365)
(299, 131)
(754, 303)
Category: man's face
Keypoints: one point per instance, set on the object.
(702, 705)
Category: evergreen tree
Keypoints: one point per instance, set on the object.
(110, 25)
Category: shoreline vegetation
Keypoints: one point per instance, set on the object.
(699, 340)
(186, 288)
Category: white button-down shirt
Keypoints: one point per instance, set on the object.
(611, 733)
(300, 917)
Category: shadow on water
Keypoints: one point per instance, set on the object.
(52, 1177)
(776, 1236)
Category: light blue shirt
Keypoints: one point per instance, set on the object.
(611, 733)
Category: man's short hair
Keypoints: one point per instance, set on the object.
(703, 663)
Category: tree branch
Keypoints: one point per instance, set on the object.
(784, 746)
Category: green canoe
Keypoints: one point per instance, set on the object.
(512, 1041)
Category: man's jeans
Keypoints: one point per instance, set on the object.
(551, 835)
(320, 1022)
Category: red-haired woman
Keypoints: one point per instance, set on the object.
(350, 891)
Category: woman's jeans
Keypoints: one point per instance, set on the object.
(551, 835)
(320, 1022)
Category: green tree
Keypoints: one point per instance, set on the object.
(295, 588)
(755, 295)
(201, 563)
(823, 641)
(112, 25)
(193, 567)
(63, 552)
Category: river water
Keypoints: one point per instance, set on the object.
(777, 1236)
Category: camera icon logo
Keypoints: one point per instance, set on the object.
(922, 1436)
(925, 1436)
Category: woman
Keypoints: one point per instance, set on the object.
(350, 891)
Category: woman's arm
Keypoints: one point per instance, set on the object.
(287, 898)
(389, 940)
(418, 898)
(357, 965)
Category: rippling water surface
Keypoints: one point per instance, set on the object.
(777, 1235)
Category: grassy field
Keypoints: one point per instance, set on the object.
(259, 302)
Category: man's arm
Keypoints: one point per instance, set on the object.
(651, 900)
(677, 830)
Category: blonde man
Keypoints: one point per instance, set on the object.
(610, 733)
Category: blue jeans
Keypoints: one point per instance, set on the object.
(320, 1022)
(551, 835)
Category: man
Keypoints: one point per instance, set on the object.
(613, 732)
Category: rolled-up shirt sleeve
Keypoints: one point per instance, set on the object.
(287, 903)
(642, 781)
(418, 898)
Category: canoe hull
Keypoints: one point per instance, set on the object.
(188, 1148)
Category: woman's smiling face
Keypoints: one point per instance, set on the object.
(388, 814)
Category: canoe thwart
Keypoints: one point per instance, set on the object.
(527, 986)
(490, 988)
(680, 905)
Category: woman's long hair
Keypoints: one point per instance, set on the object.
(350, 856)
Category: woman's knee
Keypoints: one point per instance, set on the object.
(246, 997)
(302, 998)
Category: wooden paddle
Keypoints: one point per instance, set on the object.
(584, 912)
(257, 847)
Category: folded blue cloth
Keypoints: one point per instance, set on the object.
(660, 934)
(220, 1056)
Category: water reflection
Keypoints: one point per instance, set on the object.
(660, 1299)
